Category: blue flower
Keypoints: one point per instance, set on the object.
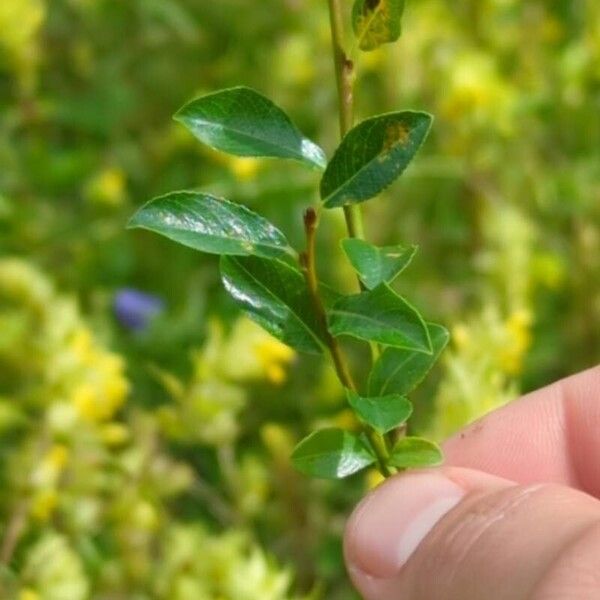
(135, 309)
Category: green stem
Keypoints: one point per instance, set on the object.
(312, 281)
(309, 263)
(344, 75)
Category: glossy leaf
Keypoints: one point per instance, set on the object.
(242, 122)
(332, 454)
(377, 265)
(380, 315)
(372, 155)
(377, 22)
(211, 224)
(274, 294)
(414, 452)
(384, 413)
(399, 371)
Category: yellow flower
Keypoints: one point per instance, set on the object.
(109, 363)
(58, 456)
(249, 353)
(82, 344)
(477, 91)
(518, 328)
(116, 390)
(273, 355)
(244, 169)
(115, 434)
(44, 504)
(20, 23)
(277, 439)
(84, 399)
(144, 515)
(461, 336)
(29, 594)
(294, 66)
(98, 401)
(107, 188)
(50, 467)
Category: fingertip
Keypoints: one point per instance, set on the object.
(390, 523)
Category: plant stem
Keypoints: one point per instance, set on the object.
(310, 271)
(378, 442)
(344, 74)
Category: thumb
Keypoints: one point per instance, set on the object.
(456, 533)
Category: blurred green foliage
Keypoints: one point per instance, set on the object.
(154, 464)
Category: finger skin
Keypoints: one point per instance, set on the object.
(501, 541)
(550, 435)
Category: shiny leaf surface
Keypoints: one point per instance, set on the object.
(332, 454)
(414, 452)
(372, 156)
(376, 265)
(383, 413)
(243, 122)
(211, 224)
(274, 294)
(380, 315)
(399, 371)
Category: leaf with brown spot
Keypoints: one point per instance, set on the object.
(372, 156)
(377, 22)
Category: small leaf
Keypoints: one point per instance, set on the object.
(377, 265)
(380, 315)
(212, 225)
(377, 22)
(372, 156)
(332, 454)
(242, 122)
(414, 452)
(400, 371)
(274, 294)
(384, 413)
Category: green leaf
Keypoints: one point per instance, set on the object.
(380, 315)
(212, 225)
(372, 156)
(377, 22)
(377, 265)
(400, 371)
(332, 454)
(414, 452)
(274, 294)
(384, 413)
(242, 122)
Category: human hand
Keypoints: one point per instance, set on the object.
(514, 515)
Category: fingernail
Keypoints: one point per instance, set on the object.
(388, 526)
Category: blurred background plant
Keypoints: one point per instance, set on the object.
(144, 425)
